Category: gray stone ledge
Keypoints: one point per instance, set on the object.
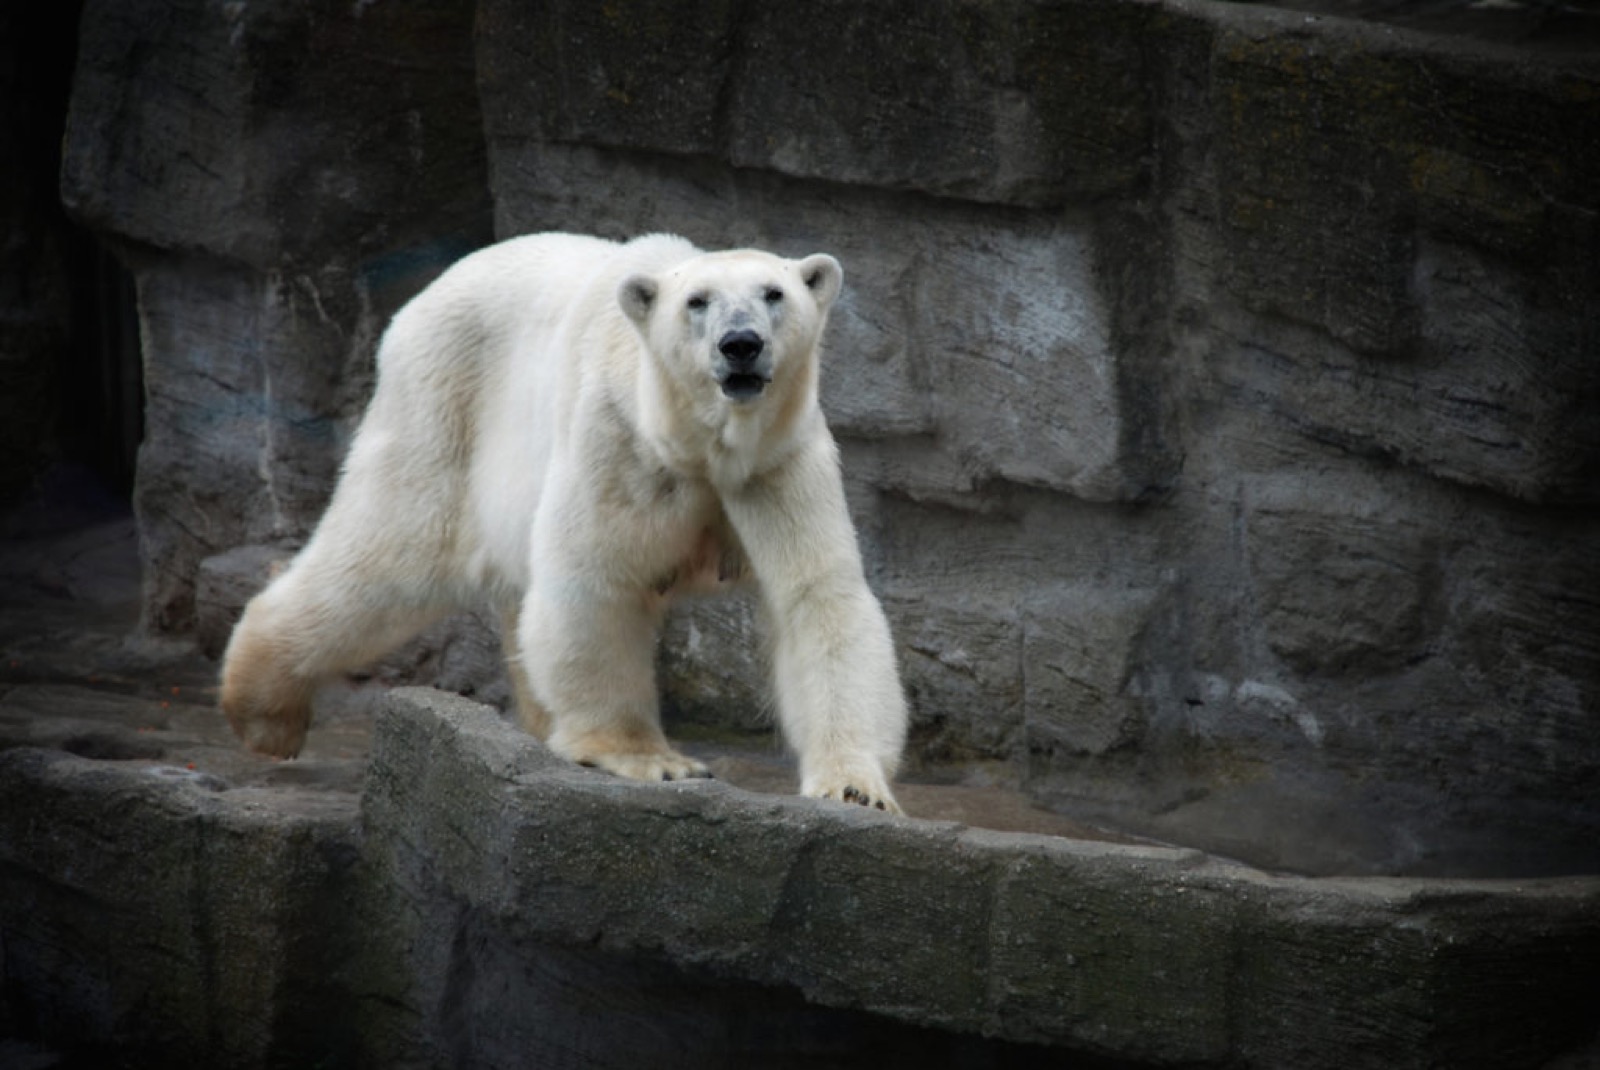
(481, 903)
(1146, 954)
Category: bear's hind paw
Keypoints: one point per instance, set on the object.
(279, 735)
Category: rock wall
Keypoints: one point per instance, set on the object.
(1216, 384)
(280, 177)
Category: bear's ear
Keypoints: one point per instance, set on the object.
(823, 276)
(637, 295)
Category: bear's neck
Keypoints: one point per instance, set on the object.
(716, 440)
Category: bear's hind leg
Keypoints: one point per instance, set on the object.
(530, 711)
(268, 708)
(305, 628)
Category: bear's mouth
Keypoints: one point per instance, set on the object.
(743, 386)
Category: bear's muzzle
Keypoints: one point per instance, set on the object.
(743, 374)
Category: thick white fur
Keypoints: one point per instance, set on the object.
(549, 434)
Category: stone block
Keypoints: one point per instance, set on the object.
(463, 653)
(1339, 590)
(1508, 401)
(1295, 112)
(250, 398)
(1336, 139)
(1035, 102)
(271, 132)
(712, 664)
(1016, 319)
(651, 78)
(1425, 211)
(961, 660)
(1118, 937)
(1523, 638)
(1082, 652)
(1493, 394)
(134, 895)
(1145, 955)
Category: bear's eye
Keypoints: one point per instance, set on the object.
(697, 303)
(773, 295)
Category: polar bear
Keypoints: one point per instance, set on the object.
(574, 431)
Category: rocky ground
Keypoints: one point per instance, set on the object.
(78, 674)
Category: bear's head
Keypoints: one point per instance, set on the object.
(734, 323)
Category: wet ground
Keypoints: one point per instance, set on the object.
(77, 674)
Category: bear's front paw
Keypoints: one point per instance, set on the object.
(652, 765)
(869, 790)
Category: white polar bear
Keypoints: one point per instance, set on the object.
(574, 430)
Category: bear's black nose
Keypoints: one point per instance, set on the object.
(741, 347)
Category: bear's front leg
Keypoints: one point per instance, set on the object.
(838, 691)
(838, 687)
(589, 657)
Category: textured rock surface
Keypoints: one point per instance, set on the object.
(1214, 381)
(132, 910)
(1133, 953)
(490, 905)
(281, 177)
(164, 897)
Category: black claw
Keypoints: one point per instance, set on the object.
(666, 775)
(850, 794)
(880, 806)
